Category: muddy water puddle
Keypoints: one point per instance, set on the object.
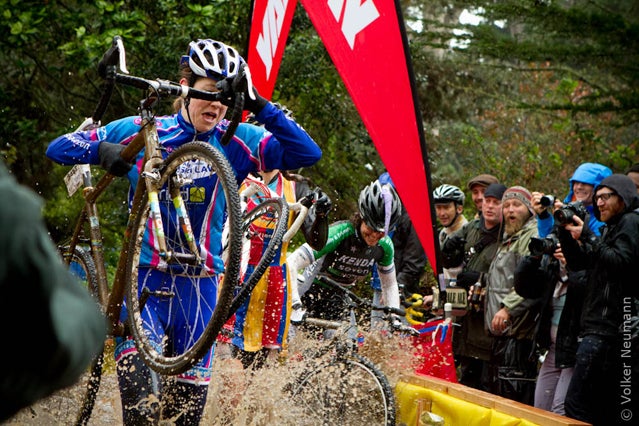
(236, 396)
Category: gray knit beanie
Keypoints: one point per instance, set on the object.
(520, 193)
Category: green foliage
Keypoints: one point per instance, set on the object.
(538, 88)
(534, 90)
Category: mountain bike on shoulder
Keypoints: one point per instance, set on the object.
(160, 208)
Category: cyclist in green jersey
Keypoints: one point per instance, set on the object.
(353, 247)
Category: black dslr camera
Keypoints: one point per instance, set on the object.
(564, 215)
(541, 246)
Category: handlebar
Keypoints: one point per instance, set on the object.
(112, 68)
(358, 300)
(167, 88)
(396, 326)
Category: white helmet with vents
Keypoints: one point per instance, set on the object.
(212, 59)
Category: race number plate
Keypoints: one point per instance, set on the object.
(458, 296)
(74, 178)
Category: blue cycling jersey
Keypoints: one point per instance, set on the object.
(251, 149)
(282, 144)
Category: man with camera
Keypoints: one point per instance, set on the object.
(582, 184)
(600, 391)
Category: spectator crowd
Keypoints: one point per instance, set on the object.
(558, 311)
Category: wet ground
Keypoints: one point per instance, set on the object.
(236, 397)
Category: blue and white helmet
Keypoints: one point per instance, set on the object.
(212, 59)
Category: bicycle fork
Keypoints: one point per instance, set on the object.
(152, 177)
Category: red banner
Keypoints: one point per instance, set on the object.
(270, 24)
(367, 42)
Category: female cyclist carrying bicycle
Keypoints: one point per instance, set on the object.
(353, 247)
(212, 66)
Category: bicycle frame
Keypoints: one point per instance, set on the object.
(159, 188)
(350, 327)
(146, 139)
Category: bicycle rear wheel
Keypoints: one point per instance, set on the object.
(267, 223)
(203, 168)
(81, 265)
(347, 390)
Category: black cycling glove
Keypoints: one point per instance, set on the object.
(307, 200)
(323, 203)
(111, 160)
(229, 86)
(255, 106)
(320, 200)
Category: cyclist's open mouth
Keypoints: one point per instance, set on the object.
(210, 118)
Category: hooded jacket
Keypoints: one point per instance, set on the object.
(612, 262)
(590, 173)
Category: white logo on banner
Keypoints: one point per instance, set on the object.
(271, 29)
(356, 16)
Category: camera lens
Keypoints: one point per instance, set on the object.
(540, 246)
(564, 216)
(536, 246)
(547, 201)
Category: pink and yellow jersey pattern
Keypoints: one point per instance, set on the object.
(263, 321)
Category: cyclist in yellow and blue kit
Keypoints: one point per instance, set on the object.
(261, 323)
(282, 144)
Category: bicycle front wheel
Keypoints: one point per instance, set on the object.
(204, 177)
(347, 390)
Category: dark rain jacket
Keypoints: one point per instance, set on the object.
(53, 328)
(612, 262)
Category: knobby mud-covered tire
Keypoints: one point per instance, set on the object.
(208, 161)
(82, 266)
(344, 390)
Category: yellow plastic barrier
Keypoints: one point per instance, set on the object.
(461, 405)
